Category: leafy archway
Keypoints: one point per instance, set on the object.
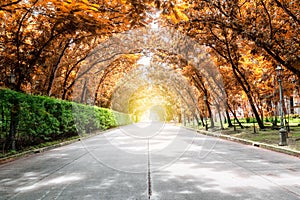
(190, 74)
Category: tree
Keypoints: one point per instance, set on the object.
(40, 30)
(271, 25)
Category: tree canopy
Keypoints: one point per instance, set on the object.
(84, 50)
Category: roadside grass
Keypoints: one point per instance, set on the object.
(268, 135)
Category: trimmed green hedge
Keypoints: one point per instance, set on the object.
(41, 119)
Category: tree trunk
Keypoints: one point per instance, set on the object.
(11, 142)
(212, 124)
(54, 70)
(64, 94)
(234, 115)
(256, 114)
(196, 117)
(228, 118)
(246, 89)
(220, 117)
(84, 91)
(202, 120)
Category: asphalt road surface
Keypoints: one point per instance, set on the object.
(152, 161)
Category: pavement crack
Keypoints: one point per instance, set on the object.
(149, 173)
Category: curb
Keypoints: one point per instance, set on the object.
(47, 148)
(271, 147)
(35, 151)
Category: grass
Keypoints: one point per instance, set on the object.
(268, 135)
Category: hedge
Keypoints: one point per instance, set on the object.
(39, 119)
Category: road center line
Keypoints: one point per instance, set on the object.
(149, 173)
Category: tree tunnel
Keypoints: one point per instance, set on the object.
(154, 74)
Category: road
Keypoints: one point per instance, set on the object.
(152, 161)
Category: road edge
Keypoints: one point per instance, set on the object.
(50, 147)
(279, 149)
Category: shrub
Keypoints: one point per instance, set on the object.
(42, 119)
